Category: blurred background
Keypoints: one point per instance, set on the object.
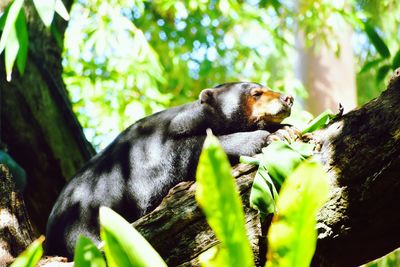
(124, 60)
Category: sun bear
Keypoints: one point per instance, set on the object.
(145, 161)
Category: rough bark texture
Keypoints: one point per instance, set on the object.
(38, 125)
(16, 232)
(360, 151)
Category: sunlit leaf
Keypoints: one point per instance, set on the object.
(376, 40)
(22, 34)
(123, 245)
(370, 64)
(218, 197)
(9, 24)
(319, 122)
(12, 48)
(396, 60)
(31, 255)
(61, 10)
(292, 236)
(46, 9)
(86, 254)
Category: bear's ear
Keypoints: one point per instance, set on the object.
(207, 96)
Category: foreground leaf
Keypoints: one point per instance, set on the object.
(219, 199)
(292, 236)
(123, 245)
(31, 255)
(87, 254)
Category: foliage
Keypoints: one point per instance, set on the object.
(126, 60)
(292, 236)
(86, 254)
(31, 255)
(14, 37)
(123, 245)
(278, 161)
(217, 195)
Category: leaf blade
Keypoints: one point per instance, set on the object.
(376, 40)
(11, 53)
(22, 34)
(123, 244)
(12, 14)
(45, 10)
(87, 254)
(292, 236)
(31, 255)
(217, 195)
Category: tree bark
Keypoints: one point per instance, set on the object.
(360, 151)
(16, 232)
(38, 125)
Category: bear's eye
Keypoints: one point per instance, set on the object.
(256, 93)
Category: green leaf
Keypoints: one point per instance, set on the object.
(87, 254)
(382, 72)
(22, 34)
(218, 197)
(46, 9)
(370, 64)
(61, 10)
(396, 61)
(292, 236)
(9, 24)
(12, 48)
(123, 245)
(278, 161)
(376, 40)
(319, 122)
(263, 193)
(31, 255)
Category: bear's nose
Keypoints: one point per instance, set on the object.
(287, 99)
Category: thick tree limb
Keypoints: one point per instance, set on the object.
(361, 152)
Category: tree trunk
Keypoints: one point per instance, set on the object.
(38, 125)
(329, 77)
(360, 151)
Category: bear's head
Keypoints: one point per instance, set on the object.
(246, 106)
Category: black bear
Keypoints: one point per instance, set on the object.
(145, 161)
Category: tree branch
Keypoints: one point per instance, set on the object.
(360, 151)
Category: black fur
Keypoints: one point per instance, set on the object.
(144, 162)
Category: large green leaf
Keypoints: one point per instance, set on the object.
(46, 9)
(87, 254)
(31, 255)
(218, 197)
(9, 24)
(278, 161)
(22, 34)
(376, 40)
(292, 236)
(123, 245)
